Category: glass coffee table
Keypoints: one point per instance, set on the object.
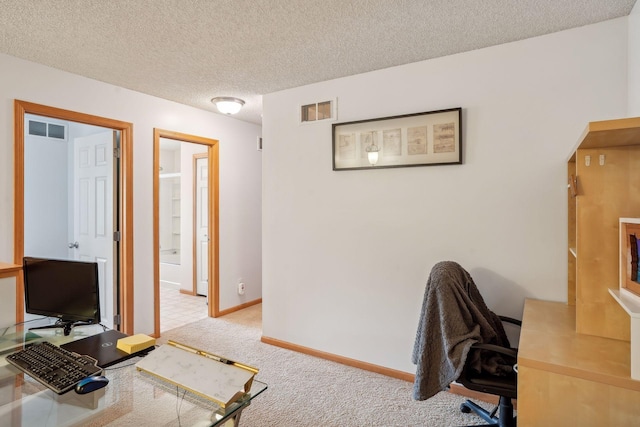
(131, 397)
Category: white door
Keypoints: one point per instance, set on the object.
(201, 227)
(93, 238)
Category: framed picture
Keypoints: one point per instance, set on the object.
(421, 139)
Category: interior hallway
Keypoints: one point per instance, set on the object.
(178, 309)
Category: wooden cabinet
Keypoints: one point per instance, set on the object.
(604, 185)
(575, 359)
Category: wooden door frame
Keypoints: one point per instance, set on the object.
(125, 255)
(214, 243)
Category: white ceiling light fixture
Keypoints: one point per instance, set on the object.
(227, 104)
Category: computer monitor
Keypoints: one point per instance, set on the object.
(64, 289)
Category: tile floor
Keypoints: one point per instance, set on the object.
(177, 309)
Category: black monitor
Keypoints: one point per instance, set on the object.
(64, 289)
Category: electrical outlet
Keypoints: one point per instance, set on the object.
(241, 288)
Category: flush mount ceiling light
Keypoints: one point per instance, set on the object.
(227, 104)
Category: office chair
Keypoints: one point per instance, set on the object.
(460, 339)
(506, 387)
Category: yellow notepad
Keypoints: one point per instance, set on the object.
(135, 343)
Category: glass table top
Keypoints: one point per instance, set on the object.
(131, 397)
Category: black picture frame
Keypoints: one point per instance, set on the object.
(429, 138)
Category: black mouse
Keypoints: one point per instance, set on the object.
(90, 384)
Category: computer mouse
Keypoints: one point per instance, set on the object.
(90, 384)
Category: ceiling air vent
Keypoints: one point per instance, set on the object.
(318, 111)
(50, 130)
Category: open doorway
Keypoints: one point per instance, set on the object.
(69, 199)
(119, 239)
(185, 228)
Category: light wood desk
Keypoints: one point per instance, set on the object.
(571, 379)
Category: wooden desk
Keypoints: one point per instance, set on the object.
(572, 379)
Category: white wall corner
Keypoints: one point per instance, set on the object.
(633, 73)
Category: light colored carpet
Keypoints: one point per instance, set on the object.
(306, 391)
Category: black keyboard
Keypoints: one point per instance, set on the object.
(55, 367)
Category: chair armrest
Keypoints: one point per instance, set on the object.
(511, 320)
(496, 348)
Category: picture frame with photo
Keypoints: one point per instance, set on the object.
(422, 139)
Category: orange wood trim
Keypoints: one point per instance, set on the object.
(240, 307)
(476, 395)
(126, 193)
(214, 272)
(19, 111)
(5, 274)
(9, 270)
(472, 394)
(214, 224)
(126, 216)
(340, 359)
(186, 292)
(405, 376)
(156, 232)
(18, 202)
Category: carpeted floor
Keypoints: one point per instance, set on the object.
(305, 391)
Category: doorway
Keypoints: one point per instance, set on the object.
(120, 239)
(185, 220)
(69, 194)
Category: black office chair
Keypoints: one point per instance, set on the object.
(506, 387)
(460, 339)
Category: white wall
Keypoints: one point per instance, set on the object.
(240, 171)
(346, 254)
(46, 201)
(8, 301)
(634, 61)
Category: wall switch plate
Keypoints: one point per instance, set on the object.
(241, 288)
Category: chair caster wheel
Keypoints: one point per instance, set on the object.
(464, 408)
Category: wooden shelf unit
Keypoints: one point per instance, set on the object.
(574, 359)
(606, 167)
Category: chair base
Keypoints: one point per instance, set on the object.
(504, 419)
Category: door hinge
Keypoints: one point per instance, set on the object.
(116, 236)
(116, 152)
(116, 319)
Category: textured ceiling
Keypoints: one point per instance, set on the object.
(189, 51)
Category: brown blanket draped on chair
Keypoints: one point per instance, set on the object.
(454, 316)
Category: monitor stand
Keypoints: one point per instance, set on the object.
(66, 325)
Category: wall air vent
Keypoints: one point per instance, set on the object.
(50, 130)
(325, 110)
